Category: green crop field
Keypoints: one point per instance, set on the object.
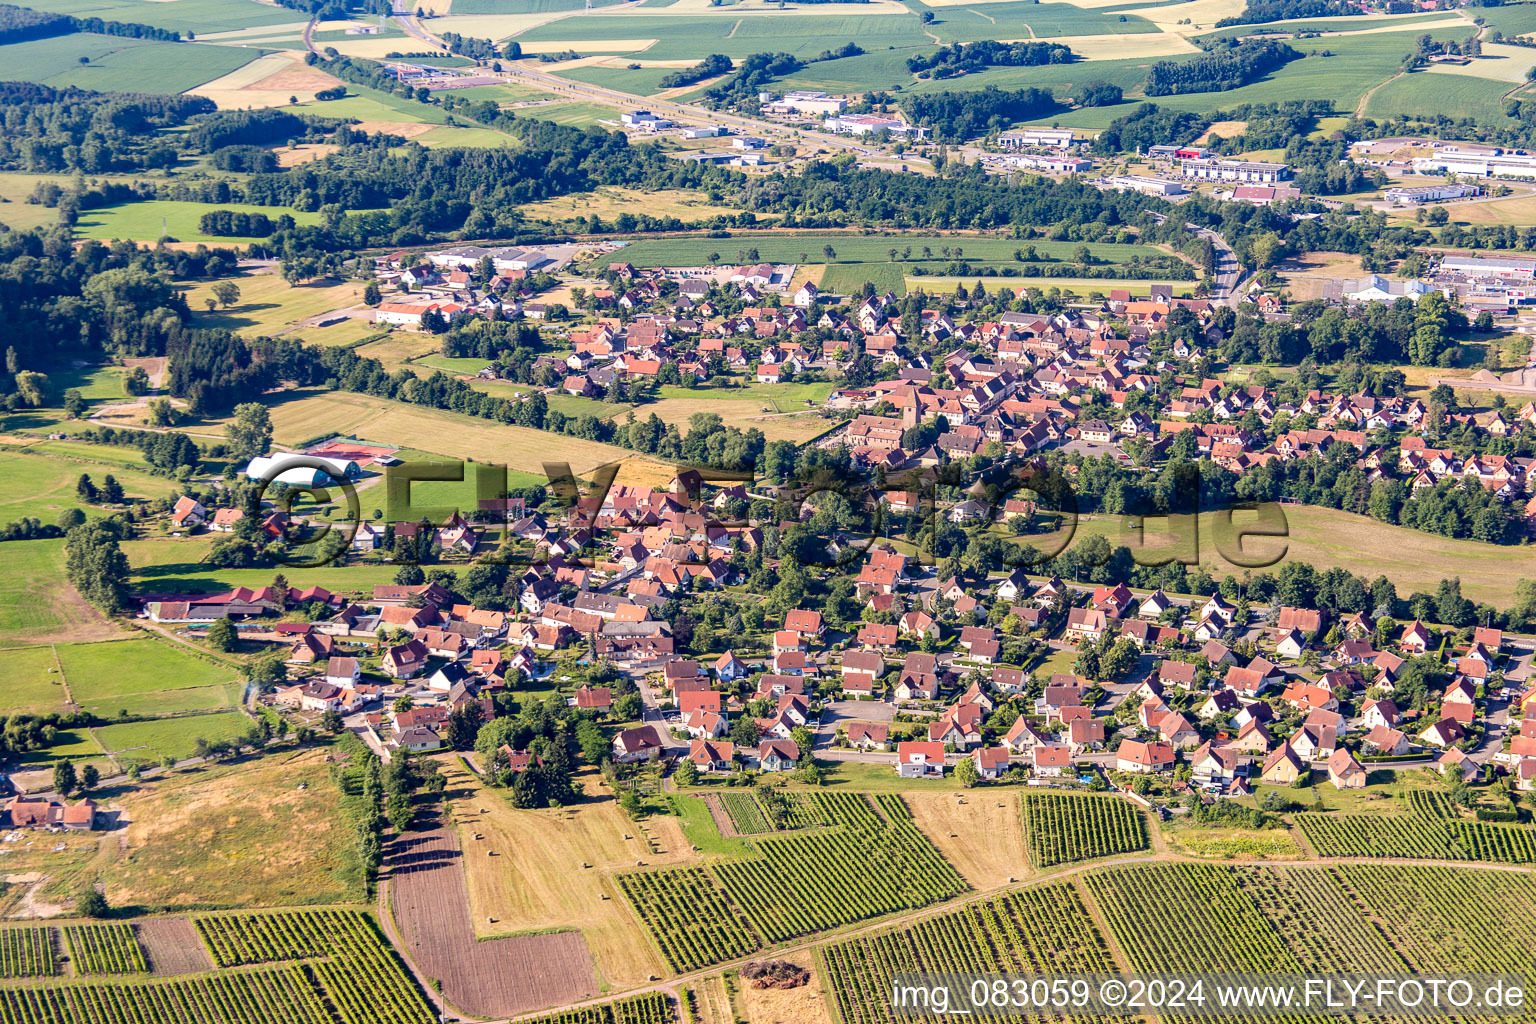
(1416, 837)
(639, 81)
(650, 1008)
(829, 868)
(1412, 95)
(523, 6)
(201, 17)
(42, 487)
(302, 963)
(367, 104)
(104, 949)
(101, 673)
(27, 953)
(169, 737)
(1061, 829)
(33, 683)
(1031, 931)
(1355, 64)
(1025, 20)
(121, 64)
(36, 604)
(575, 115)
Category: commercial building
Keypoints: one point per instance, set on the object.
(869, 124)
(1144, 183)
(1036, 138)
(1488, 267)
(1478, 165)
(802, 102)
(1049, 164)
(644, 120)
(1248, 171)
(1412, 195)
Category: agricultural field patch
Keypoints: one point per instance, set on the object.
(537, 883)
(168, 737)
(104, 949)
(102, 675)
(36, 607)
(952, 821)
(202, 17)
(270, 305)
(1417, 837)
(1028, 931)
(1440, 920)
(827, 865)
(153, 219)
(1469, 95)
(1061, 828)
(611, 201)
(40, 486)
(34, 684)
(27, 952)
(272, 832)
(1414, 560)
(120, 63)
(309, 414)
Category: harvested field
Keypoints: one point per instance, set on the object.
(297, 78)
(304, 153)
(172, 947)
(268, 81)
(804, 1005)
(309, 414)
(496, 978)
(404, 129)
(538, 881)
(954, 820)
(1126, 46)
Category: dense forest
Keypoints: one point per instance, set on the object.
(47, 129)
(756, 73)
(957, 116)
(1259, 11)
(1227, 65)
(710, 67)
(963, 58)
(23, 24)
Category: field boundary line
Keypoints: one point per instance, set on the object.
(63, 676)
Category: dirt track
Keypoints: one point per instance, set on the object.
(497, 978)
